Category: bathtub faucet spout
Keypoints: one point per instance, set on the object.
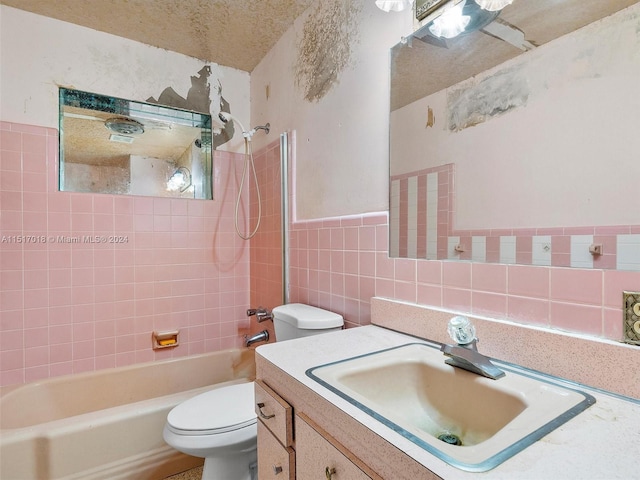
(262, 336)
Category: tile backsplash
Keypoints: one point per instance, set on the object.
(340, 263)
(70, 303)
(86, 278)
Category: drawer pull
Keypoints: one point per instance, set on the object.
(266, 417)
(328, 472)
(277, 470)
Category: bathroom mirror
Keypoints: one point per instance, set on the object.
(521, 148)
(116, 146)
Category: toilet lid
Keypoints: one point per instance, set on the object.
(216, 411)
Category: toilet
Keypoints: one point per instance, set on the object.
(221, 425)
(296, 320)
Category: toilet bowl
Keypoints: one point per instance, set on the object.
(219, 426)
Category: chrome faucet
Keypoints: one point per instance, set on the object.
(465, 354)
(261, 314)
(262, 336)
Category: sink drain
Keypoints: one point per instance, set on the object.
(450, 438)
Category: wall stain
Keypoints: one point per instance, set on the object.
(468, 106)
(325, 50)
(431, 118)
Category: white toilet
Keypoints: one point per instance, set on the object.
(220, 425)
(296, 320)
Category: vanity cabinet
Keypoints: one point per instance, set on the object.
(276, 457)
(311, 454)
(320, 456)
(275, 461)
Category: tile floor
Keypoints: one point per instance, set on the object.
(193, 474)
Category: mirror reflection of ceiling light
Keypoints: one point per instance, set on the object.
(393, 5)
(451, 23)
(463, 17)
(180, 180)
(493, 5)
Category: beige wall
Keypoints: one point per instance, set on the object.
(342, 139)
(40, 54)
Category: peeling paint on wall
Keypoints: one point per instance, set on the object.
(199, 100)
(473, 102)
(325, 49)
(198, 97)
(470, 105)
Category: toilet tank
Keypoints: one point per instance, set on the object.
(297, 320)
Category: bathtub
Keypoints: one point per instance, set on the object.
(108, 424)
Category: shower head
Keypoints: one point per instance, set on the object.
(226, 116)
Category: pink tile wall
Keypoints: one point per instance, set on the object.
(339, 264)
(70, 305)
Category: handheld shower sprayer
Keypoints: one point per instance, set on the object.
(225, 117)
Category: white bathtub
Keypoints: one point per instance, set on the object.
(108, 424)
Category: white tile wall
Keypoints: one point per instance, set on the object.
(541, 250)
(628, 249)
(508, 249)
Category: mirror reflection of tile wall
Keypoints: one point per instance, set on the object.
(422, 226)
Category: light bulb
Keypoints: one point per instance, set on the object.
(451, 23)
(493, 5)
(394, 5)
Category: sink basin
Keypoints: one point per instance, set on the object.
(471, 422)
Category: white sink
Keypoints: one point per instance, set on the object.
(472, 422)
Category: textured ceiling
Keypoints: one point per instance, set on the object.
(234, 33)
(239, 33)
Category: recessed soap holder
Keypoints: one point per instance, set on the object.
(168, 339)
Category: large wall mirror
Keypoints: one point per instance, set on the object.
(518, 143)
(117, 146)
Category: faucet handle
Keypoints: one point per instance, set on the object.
(461, 330)
(263, 315)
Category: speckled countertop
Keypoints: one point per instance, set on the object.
(601, 443)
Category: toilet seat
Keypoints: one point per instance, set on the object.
(214, 412)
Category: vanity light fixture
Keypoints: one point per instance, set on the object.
(180, 180)
(456, 17)
(394, 5)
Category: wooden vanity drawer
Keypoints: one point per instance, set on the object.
(275, 413)
(320, 456)
(274, 460)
